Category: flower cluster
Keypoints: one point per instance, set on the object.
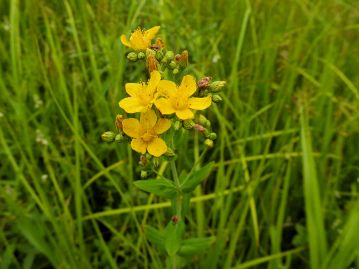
(161, 102)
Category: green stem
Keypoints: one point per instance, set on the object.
(178, 203)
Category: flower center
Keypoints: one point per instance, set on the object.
(148, 136)
(180, 102)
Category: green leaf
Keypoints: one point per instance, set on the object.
(161, 187)
(190, 247)
(195, 178)
(155, 237)
(173, 236)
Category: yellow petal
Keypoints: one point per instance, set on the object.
(162, 126)
(148, 119)
(137, 144)
(199, 103)
(165, 106)
(150, 33)
(133, 88)
(138, 42)
(166, 88)
(185, 114)
(131, 127)
(153, 82)
(157, 147)
(131, 105)
(125, 41)
(188, 86)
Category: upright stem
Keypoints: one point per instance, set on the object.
(178, 203)
(178, 197)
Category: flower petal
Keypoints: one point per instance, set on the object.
(137, 144)
(138, 42)
(157, 147)
(150, 33)
(165, 106)
(125, 41)
(199, 103)
(133, 89)
(185, 114)
(155, 78)
(166, 88)
(162, 126)
(131, 127)
(188, 86)
(148, 119)
(131, 105)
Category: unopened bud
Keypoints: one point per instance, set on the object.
(175, 71)
(188, 124)
(152, 63)
(216, 86)
(216, 98)
(169, 55)
(159, 55)
(170, 152)
(132, 56)
(177, 125)
(141, 55)
(118, 121)
(173, 64)
(119, 138)
(199, 128)
(108, 136)
(203, 83)
(202, 119)
(212, 136)
(144, 174)
(208, 143)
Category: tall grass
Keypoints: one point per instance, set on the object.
(285, 188)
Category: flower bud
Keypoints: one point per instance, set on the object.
(119, 138)
(108, 136)
(203, 83)
(175, 71)
(169, 55)
(177, 125)
(188, 124)
(141, 55)
(132, 56)
(212, 136)
(173, 64)
(118, 122)
(216, 86)
(202, 119)
(216, 98)
(170, 152)
(152, 63)
(199, 128)
(208, 143)
(144, 174)
(159, 55)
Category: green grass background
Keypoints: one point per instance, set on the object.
(284, 191)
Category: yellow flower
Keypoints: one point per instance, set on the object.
(178, 99)
(140, 40)
(142, 95)
(145, 133)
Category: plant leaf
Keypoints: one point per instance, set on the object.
(195, 178)
(161, 187)
(155, 237)
(173, 236)
(190, 247)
